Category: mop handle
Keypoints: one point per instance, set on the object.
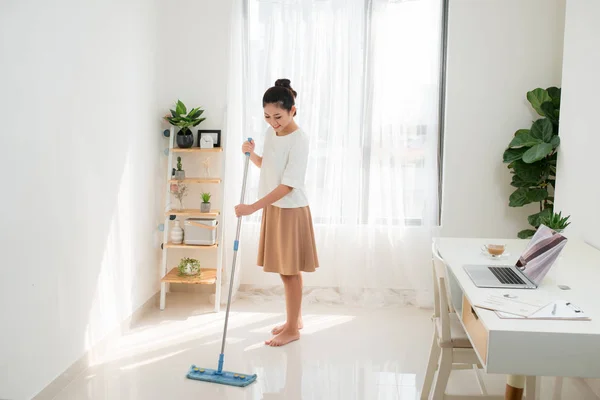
(236, 245)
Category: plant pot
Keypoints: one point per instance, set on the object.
(190, 270)
(205, 207)
(185, 138)
(180, 175)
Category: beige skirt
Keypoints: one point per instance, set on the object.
(287, 241)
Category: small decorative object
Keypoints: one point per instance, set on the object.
(176, 233)
(205, 206)
(206, 164)
(189, 266)
(215, 134)
(184, 120)
(200, 231)
(179, 190)
(206, 142)
(180, 173)
(556, 221)
(495, 249)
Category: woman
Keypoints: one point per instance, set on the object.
(287, 243)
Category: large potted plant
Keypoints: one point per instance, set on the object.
(531, 157)
(183, 119)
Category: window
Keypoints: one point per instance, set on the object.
(367, 76)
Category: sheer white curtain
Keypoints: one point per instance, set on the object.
(366, 73)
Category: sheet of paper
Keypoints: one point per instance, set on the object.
(515, 306)
(563, 311)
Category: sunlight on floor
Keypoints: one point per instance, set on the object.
(319, 323)
(152, 360)
(230, 340)
(170, 333)
(313, 323)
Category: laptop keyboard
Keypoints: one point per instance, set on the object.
(507, 276)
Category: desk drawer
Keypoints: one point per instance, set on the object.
(477, 332)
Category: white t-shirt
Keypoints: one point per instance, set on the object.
(284, 163)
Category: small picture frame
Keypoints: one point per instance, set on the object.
(214, 133)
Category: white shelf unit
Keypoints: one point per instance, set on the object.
(209, 276)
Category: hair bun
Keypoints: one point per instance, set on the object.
(283, 83)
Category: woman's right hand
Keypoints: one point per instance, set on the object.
(248, 147)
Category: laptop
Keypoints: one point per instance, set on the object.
(534, 263)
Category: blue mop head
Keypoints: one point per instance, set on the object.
(224, 378)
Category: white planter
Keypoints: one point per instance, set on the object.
(190, 269)
(179, 175)
(176, 233)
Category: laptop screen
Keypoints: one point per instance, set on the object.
(541, 252)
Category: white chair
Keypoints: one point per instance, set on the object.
(450, 347)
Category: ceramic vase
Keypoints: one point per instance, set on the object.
(176, 233)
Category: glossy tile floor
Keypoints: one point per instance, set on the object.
(344, 353)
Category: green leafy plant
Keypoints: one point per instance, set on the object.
(182, 118)
(531, 157)
(206, 197)
(194, 266)
(556, 221)
(179, 165)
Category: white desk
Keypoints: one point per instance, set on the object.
(521, 348)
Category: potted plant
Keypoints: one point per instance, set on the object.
(556, 221)
(205, 206)
(531, 157)
(179, 173)
(189, 266)
(184, 120)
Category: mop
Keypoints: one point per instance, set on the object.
(218, 375)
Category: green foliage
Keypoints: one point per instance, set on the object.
(206, 197)
(194, 265)
(531, 158)
(526, 233)
(179, 165)
(182, 118)
(555, 221)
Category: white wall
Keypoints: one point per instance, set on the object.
(193, 66)
(81, 159)
(194, 56)
(577, 189)
(497, 51)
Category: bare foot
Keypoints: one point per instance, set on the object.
(285, 337)
(278, 329)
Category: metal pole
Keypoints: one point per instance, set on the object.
(235, 250)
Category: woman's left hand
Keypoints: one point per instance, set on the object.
(242, 210)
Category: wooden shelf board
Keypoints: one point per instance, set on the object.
(196, 180)
(190, 246)
(208, 276)
(194, 213)
(197, 150)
